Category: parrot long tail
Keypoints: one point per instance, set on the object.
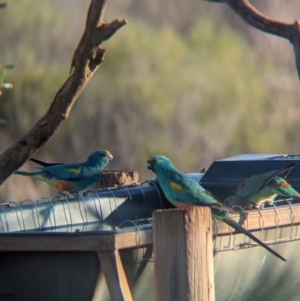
(36, 174)
(24, 173)
(283, 172)
(229, 221)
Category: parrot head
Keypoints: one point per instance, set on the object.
(159, 164)
(103, 156)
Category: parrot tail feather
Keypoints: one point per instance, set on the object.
(38, 175)
(228, 220)
(23, 173)
(297, 196)
(44, 164)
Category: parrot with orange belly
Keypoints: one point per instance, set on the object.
(263, 188)
(73, 177)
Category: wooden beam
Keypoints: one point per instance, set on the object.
(100, 285)
(138, 238)
(183, 254)
(25, 242)
(74, 242)
(115, 276)
(269, 218)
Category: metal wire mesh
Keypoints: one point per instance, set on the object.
(277, 223)
(103, 209)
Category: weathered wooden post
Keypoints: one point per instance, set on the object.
(183, 254)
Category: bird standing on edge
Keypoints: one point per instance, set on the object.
(72, 177)
(182, 191)
(263, 188)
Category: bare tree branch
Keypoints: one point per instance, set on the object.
(252, 16)
(87, 58)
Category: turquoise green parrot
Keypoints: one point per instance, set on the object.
(263, 188)
(182, 191)
(72, 177)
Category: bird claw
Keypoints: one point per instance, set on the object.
(61, 195)
(77, 194)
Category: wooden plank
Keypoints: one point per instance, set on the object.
(99, 286)
(268, 218)
(26, 242)
(115, 276)
(134, 239)
(85, 242)
(183, 254)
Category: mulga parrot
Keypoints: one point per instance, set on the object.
(263, 188)
(72, 177)
(182, 191)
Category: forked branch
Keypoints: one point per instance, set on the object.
(87, 58)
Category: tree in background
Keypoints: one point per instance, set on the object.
(86, 60)
(3, 68)
(194, 94)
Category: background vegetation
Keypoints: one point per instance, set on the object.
(185, 79)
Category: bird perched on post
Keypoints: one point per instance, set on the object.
(72, 177)
(263, 188)
(182, 191)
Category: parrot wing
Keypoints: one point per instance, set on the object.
(65, 172)
(286, 170)
(252, 185)
(189, 192)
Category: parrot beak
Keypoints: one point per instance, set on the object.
(109, 155)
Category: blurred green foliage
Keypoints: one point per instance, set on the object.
(194, 97)
(3, 68)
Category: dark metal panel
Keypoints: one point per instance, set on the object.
(59, 276)
(223, 176)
